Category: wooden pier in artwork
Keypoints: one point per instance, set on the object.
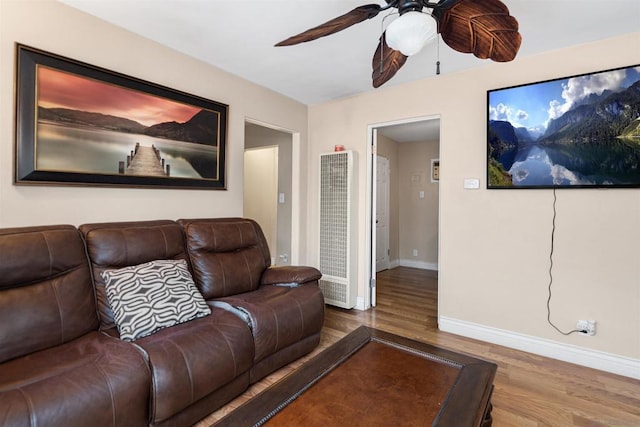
(145, 161)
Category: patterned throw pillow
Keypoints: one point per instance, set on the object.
(148, 297)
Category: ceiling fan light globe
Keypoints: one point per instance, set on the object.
(411, 32)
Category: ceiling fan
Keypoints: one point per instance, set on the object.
(482, 27)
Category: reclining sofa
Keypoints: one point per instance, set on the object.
(144, 323)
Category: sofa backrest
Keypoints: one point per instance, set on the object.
(123, 244)
(46, 295)
(228, 255)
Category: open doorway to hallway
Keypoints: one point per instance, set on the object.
(405, 196)
(268, 187)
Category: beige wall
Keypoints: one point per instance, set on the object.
(494, 245)
(260, 195)
(57, 28)
(418, 216)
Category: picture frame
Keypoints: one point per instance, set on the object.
(79, 124)
(573, 132)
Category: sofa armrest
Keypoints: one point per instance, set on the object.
(289, 275)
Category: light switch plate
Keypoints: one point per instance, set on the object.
(471, 184)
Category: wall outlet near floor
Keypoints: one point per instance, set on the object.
(414, 252)
(588, 326)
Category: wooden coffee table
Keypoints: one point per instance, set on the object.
(373, 378)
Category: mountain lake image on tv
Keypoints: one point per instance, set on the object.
(574, 132)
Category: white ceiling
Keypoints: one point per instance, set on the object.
(238, 36)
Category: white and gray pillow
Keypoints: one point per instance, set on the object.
(151, 296)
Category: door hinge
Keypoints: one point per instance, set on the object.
(372, 283)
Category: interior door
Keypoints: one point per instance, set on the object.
(382, 213)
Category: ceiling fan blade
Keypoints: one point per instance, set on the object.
(386, 63)
(359, 14)
(484, 28)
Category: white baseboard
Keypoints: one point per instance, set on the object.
(417, 264)
(620, 365)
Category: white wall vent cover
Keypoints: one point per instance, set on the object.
(336, 258)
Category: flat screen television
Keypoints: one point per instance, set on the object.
(574, 132)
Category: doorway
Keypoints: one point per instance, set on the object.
(411, 209)
(284, 175)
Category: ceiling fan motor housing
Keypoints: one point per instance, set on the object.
(405, 6)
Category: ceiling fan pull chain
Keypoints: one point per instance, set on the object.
(438, 54)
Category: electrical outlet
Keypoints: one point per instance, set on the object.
(587, 327)
(414, 252)
(591, 327)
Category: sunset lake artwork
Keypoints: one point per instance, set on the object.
(87, 126)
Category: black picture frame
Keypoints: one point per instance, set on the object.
(580, 131)
(78, 124)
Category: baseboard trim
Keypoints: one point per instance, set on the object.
(608, 362)
(418, 264)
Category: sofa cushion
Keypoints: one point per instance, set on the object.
(122, 244)
(148, 297)
(46, 295)
(194, 359)
(228, 255)
(93, 380)
(280, 316)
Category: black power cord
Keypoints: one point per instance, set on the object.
(553, 232)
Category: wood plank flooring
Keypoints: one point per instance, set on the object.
(530, 390)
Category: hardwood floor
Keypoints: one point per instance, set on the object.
(530, 390)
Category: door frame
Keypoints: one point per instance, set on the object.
(385, 236)
(370, 202)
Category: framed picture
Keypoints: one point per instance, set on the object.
(77, 124)
(573, 132)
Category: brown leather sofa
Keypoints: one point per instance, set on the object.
(61, 359)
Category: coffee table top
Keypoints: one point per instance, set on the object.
(371, 377)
